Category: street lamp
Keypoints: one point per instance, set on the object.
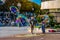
(12, 4)
(19, 5)
(33, 11)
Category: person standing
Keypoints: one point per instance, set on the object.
(43, 27)
(32, 23)
(43, 24)
(45, 21)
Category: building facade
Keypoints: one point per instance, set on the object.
(53, 6)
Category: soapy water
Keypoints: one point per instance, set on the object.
(22, 20)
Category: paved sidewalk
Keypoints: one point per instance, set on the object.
(10, 31)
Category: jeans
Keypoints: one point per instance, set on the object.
(43, 28)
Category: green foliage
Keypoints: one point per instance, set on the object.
(51, 19)
(37, 26)
(38, 19)
(57, 26)
(51, 16)
(25, 5)
(44, 11)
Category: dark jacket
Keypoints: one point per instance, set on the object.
(33, 22)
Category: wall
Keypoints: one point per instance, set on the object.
(50, 4)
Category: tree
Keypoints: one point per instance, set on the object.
(25, 5)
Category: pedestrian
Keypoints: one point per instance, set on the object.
(32, 23)
(45, 21)
(43, 24)
(43, 27)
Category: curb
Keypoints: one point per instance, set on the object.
(29, 35)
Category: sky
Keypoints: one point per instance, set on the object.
(36, 1)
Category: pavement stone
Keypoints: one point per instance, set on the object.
(41, 37)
